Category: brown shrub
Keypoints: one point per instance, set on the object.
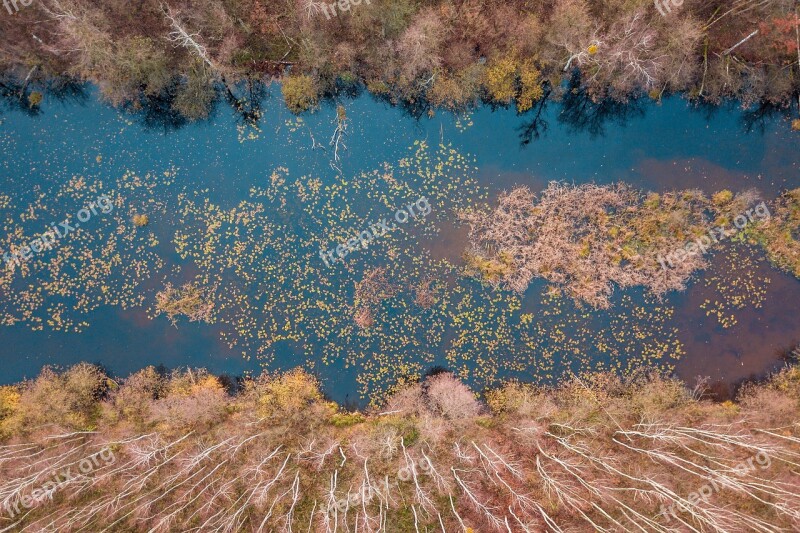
(449, 398)
(588, 238)
(189, 400)
(134, 398)
(420, 46)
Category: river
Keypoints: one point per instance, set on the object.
(242, 207)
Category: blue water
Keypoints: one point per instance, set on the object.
(671, 145)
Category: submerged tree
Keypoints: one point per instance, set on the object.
(586, 239)
(188, 300)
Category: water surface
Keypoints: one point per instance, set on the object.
(245, 207)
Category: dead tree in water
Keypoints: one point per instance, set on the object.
(188, 300)
(338, 134)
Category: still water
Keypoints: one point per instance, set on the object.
(242, 208)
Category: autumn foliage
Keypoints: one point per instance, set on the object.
(191, 450)
(184, 54)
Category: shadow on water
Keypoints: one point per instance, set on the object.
(14, 95)
(534, 128)
(246, 99)
(723, 390)
(708, 111)
(754, 119)
(759, 117)
(664, 175)
(347, 89)
(158, 113)
(68, 91)
(580, 114)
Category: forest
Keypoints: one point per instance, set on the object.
(189, 451)
(182, 56)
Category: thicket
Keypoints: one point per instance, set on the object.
(449, 53)
(780, 236)
(587, 239)
(192, 451)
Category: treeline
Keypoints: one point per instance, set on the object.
(449, 53)
(187, 451)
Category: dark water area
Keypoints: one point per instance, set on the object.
(736, 321)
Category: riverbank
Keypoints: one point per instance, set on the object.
(188, 449)
(181, 57)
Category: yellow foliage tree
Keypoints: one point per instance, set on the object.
(530, 86)
(9, 403)
(300, 93)
(287, 394)
(507, 79)
(501, 80)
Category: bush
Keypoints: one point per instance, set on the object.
(451, 399)
(300, 93)
(69, 399)
(133, 400)
(35, 98)
(343, 420)
(722, 197)
(9, 404)
(287, 396)
(456, 91)
(136, 66)
(140, 220)
(515, 397)
(191, 400)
